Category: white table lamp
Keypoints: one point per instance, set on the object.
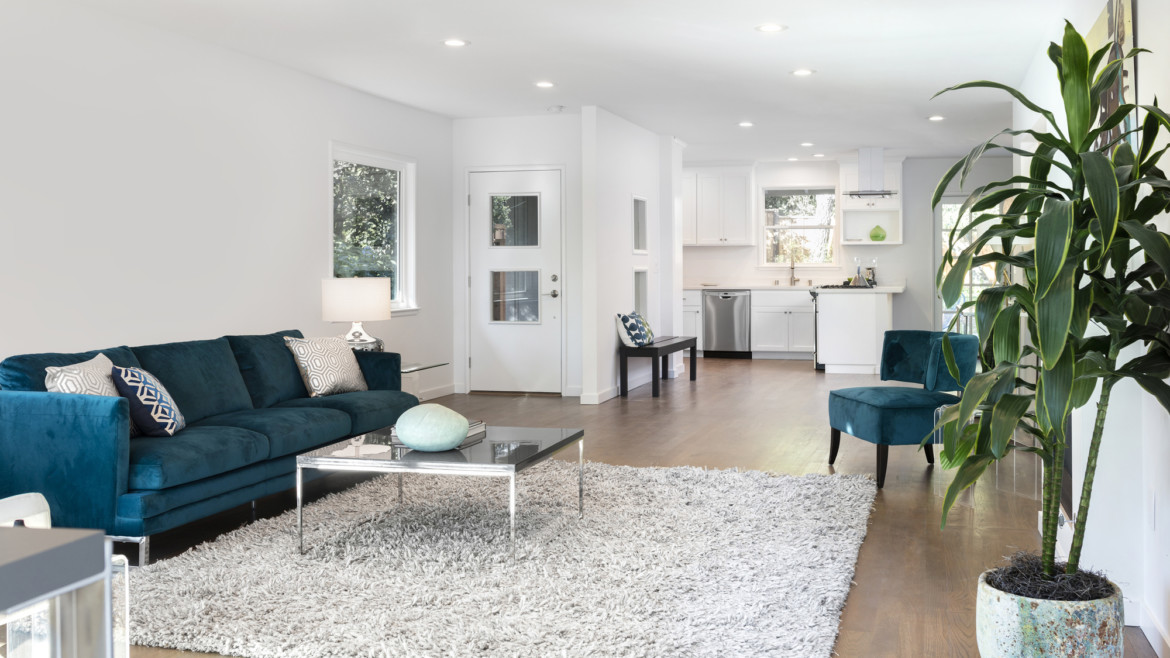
(357, 300)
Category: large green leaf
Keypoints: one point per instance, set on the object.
(1054, 316)
(987, 308)
(1005, 415)
(966, 476)
(1074, 86)
(1082, 309)
(1101, 181)
(952, 285)
(1005, 335)
(1054, 231)
(1154, 242)
(1056, 391)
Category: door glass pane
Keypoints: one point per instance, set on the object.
(515, 221)
(516, 296)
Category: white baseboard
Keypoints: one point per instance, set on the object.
(1155, 632)
(600, 396)
(436, 392)
(783, 356)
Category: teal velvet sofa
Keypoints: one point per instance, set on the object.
(248, 416)
(901, 415)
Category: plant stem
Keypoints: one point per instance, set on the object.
(1052, 518)
(1074, 556)
(1048, 535)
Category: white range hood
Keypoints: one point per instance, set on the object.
(871, 175)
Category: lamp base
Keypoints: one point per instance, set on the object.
(358, 339)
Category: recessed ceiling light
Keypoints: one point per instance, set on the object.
(544, 84)
(806, 143)
(771, 27)
(803, 73)
(746, 124)
(936, 117)
(818, 155)
(455, 43)
(793, 159)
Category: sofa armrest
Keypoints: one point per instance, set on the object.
(74, 449)
(382, 370)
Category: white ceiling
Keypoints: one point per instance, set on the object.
(688, 68)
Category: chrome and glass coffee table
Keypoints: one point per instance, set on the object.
(503, 452)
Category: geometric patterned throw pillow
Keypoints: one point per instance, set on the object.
(327, 365)
(151, 407)
(91, 377)
(631, 331)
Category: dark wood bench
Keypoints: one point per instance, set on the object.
(658, 351)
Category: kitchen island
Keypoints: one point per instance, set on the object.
(851, 324)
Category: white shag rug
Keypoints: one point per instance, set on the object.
(666, 562)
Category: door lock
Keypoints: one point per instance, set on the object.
(553, 277)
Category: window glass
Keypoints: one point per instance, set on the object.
(366, 231)
(799, 226)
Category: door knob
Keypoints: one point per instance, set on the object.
(554, 294)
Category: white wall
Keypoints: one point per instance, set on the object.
(912, 262)
(156, 189)
(552, 140)
(619, 161)
(670, 246)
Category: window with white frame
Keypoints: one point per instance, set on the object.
(373, 219)
(800, 226)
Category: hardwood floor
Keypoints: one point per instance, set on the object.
(915, 584)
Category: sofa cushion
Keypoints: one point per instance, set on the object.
(193, 454)
(890, 415)
(368, 410)
(201, 375)
(269, 369)
(26, 372)
(289, 429)
(327, 365)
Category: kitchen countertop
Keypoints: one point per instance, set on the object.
(880, 289)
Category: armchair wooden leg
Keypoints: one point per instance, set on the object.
(883, 458)
(834, 444)
(929, 453)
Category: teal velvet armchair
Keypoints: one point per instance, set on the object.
(900, 415)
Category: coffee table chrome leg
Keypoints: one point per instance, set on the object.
(581, 479)
(399, 488)
(300, 500)
(512, 506)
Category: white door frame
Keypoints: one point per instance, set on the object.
(463, 367)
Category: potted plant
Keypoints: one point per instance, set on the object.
(1090, 281)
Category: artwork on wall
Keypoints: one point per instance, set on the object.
(1116, 26)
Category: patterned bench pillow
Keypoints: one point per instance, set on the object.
(633, 330)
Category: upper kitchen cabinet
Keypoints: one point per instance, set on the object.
(871, 199)
(717, 207)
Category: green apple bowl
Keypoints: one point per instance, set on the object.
(431, 428)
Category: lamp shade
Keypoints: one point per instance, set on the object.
(356, 300)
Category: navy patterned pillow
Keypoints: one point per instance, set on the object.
(642, 322)
(152, 408)
(632, 332)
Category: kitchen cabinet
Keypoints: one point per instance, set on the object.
(692, 315)
(717, 207)
(850, 329)
(860, 215)
(782, 322)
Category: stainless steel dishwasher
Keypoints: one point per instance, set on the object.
(727, 322)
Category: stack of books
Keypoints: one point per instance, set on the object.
(476, 431)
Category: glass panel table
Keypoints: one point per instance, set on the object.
(503, 452)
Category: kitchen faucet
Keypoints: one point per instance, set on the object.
(792, 270)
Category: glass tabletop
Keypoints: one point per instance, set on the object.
(502, 449)
(416, 367)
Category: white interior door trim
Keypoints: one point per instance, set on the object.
(567, 298)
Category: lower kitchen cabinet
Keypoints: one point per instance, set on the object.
(779, 329)
(692, 323)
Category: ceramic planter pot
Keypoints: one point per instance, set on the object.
(1007, 625)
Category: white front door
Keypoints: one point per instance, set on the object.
(516, 281)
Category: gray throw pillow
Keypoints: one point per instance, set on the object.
(327, 365)
(86, 378)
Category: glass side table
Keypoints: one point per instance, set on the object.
(410, 378)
